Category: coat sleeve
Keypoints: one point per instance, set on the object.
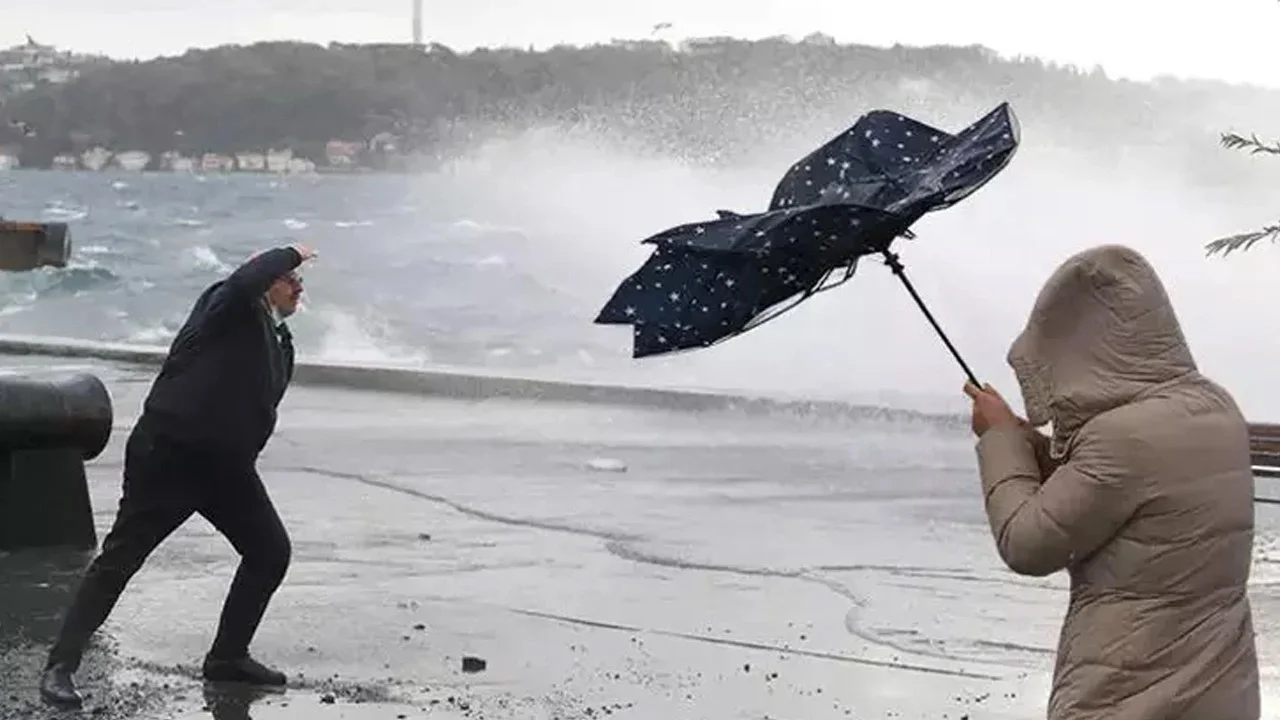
(1044, 524)
(1040, 444)
(252, 279)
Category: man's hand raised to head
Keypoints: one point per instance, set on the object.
(304, 252)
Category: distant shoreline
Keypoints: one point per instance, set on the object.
(357, 109)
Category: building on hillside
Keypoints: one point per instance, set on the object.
(32, 54)
(383, 46)
(300, 166)
(95, 158)
(343, 154)
(65, 162)
(216, 162)
(31, 64)
(705, 45)
(278, 160)
(625, 44)
(174, 161)
(56, 75)
(133, 160)
(820, 39)
(251, 162)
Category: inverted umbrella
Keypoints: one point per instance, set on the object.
(709, 281)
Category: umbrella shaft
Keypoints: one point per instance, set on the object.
(895, 265)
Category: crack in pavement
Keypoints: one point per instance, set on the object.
(749, 645)
(467, 510)
(618, 545)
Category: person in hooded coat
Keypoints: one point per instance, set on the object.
(1143, 493)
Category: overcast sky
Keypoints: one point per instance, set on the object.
(1226, 39)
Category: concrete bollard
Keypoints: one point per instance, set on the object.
(29, 245)
(48, 429)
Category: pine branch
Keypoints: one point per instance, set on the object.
(1251, 143)
(1227, 245)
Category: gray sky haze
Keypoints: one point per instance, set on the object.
(1228, 39)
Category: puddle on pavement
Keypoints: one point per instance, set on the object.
(35, 588)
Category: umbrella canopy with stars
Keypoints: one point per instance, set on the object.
(853, 196)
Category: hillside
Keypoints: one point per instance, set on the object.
(710, 99)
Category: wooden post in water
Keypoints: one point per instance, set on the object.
(29, 245)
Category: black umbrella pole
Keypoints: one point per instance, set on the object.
(891, 259)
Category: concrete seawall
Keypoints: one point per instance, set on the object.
(474, 385)
(463, 384)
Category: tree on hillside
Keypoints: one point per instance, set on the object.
(714, 99)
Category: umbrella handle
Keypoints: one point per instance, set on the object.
(895, 265)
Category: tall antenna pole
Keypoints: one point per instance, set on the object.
(417, 23)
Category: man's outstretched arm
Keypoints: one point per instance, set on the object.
(250, 281)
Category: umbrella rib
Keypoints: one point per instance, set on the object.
(808, 292)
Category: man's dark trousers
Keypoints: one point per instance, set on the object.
(165, 482)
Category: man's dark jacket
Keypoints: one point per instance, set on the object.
(228, 367)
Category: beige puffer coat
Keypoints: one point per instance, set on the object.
(1144, 493)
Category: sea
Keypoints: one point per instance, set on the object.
(500, 259)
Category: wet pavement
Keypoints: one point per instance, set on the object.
(603, 561)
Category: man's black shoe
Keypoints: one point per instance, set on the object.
(242, 670)
(58, 687)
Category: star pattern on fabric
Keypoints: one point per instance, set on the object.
(851, 197)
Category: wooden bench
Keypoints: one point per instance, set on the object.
(1264, 447)
(1264, 450)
